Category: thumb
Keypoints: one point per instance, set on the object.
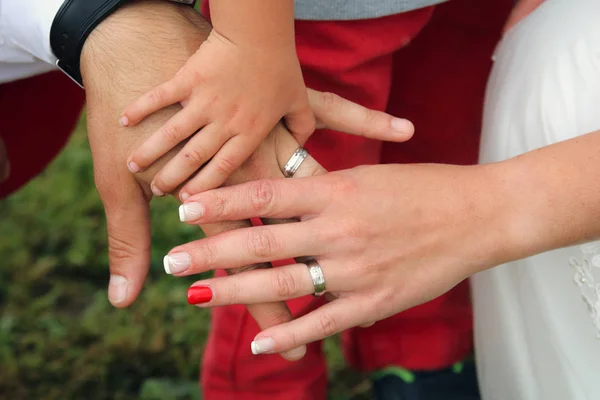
(301, 123)
(128, 225)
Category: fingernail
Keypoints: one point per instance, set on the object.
(199, 295)
(117, 289)
(262, 346)
(133, 167)
(176, 263)
(401, 125)
(190, 212)
(123, 121)
(157, 191)
(295, 354)
(184, 196)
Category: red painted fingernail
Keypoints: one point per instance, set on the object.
(199, 295)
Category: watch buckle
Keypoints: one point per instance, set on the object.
(64, 71)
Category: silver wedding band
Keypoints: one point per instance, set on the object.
(318, 279)
(295, 162)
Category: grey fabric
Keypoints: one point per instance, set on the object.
(337, 10)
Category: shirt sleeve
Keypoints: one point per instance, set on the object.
(25, 37)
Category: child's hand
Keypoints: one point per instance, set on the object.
(233, 96)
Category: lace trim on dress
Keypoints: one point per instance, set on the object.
(585, 271)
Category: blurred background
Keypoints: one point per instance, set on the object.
(59, 336)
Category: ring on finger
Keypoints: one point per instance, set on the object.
(317, 277)
(295, 162)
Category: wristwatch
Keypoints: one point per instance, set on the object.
(72, 25)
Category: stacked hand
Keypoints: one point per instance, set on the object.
(126, 197)
(387, 238)
(232, 94)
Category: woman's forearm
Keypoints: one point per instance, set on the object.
(552, 196)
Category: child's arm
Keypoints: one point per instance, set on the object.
(237, 86)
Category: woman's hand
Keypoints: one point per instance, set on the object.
(387, 238)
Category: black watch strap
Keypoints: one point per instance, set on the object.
(73, 23)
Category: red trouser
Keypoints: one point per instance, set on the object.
(437, 81)
(34, 125)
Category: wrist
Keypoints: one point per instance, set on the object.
(120, 52)
(494, 220)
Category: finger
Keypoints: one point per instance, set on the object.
(252, 287)
(301, 123)
(163, 95)
(275, 198)
(181, 126)
(327, 320)
(229, 158)
(128, 221)
(266, 315)
(4, 162)
(337, 113)
(274, 314)
(190, 159)
(246, 247)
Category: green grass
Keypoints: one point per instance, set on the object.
(60, 338)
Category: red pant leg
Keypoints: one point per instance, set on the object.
(353, 59)
(34, 125)
(438, 82)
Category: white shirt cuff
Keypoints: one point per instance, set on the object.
(25, 30)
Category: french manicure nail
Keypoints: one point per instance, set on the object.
(199, 295)
(156, 191)
(123, 121)
(190, 212)
(401, 125)
(176, 263)
(117, 289)
(262, 346)
(133, 167)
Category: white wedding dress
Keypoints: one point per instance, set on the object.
(537, 320)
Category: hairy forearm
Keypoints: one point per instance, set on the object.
(263, 24)
(551, 196)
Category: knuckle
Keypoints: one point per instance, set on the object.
(262, 243)
(261, 196)
(120, 249)
(196, 77)
(277, 316)
(233, 292)
(209, 253)
(215, 205)
(172, 133)
(194, 157)
(284, 283)
(157, 96)
(371, 118)
(330, 101)
(226, 165)
(326, 325)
